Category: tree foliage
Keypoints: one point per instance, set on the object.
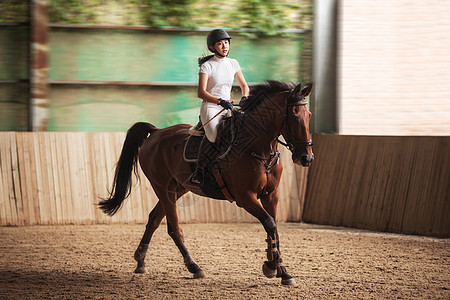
(168, 13)
(14, 11)
(267, 17)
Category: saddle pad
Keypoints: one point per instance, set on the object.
(190, 152)
(209, 185)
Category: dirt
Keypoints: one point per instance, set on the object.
(96, 262)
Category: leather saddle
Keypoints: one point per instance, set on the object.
(213, 185)
(226, 135)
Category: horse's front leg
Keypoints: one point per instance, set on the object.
(274, 264)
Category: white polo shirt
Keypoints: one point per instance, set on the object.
(220, 73)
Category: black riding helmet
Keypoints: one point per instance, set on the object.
(214, 36)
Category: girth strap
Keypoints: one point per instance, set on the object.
(268, 164)
(222, 185)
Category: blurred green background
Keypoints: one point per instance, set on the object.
(146, 73)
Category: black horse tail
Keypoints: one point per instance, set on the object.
(122, 184)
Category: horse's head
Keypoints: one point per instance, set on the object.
(296, 129)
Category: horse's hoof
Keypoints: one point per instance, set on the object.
(288, 281)
(268, 272)
(140, 270)
(199, 274)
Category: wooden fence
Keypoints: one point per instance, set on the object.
(395, 184)
(58, 177)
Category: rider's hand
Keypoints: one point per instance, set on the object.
(225, 104)
(242, 102)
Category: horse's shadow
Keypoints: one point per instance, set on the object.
(96, 284)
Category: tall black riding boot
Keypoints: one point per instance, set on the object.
(206, 152)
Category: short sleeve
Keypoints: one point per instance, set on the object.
(206, 69)
(236, 66)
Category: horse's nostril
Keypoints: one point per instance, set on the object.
(306, 159)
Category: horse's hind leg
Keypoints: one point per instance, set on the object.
(175, 231)
(154, 219)
(177, 235)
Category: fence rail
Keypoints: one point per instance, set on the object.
(58, 177)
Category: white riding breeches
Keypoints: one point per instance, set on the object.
(208, 111)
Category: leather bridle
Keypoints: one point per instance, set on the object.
(291, 142)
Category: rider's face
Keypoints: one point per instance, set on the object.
(222, 47)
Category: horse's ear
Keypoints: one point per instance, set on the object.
(297, 89)
(307, 90)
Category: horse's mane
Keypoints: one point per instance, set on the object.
(261, 91)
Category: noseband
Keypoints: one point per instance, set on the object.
(290, 142)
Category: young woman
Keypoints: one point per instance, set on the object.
(216, 76)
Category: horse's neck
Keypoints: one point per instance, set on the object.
(264, 123)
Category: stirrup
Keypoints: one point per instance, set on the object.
(195, 178)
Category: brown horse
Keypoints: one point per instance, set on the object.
(251, 170)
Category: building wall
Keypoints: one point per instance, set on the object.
(394, 67)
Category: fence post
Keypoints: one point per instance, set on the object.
(39, 98)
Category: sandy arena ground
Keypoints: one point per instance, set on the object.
(96, 262)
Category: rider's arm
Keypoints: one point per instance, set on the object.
(202, 93)
(242, 83)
